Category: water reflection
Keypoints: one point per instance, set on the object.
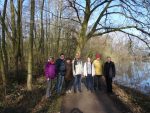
(134, 75)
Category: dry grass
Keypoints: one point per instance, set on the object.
(136, 101)
(19, 100)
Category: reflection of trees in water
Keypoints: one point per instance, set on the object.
(122, 68)
(130, 70)
(134, 74)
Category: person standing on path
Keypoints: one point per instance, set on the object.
(89, 72)
(109, 72)
(50, 74)
(98, 65)
(61, 70)
(68, 75)
(77, 66)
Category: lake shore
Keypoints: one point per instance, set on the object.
(136, 101)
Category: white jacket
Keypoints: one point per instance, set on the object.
(77, 69)
(85, 69)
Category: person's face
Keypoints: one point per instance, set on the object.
(97, 58)
(108, 59)
(62, 57)
(50, 59)
(89, 59)
(68, 61)
(77, 56)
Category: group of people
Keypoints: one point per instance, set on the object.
(70, 72)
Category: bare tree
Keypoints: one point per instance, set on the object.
(30, 58)
(95, 18)
(4, 56)
(41, 43)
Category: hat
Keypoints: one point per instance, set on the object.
(97, 55)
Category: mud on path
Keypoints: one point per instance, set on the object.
(91, 102)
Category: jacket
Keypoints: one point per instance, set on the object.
(50, 70)
(98, 65)
(69, 74)
(77, 67)
(86, 69)
(60, 67)
(109, 69)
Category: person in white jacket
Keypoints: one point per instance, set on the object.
(89, 72)
(77, 67)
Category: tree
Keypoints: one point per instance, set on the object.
(130, 12)
(41, 43)
(30, 57)
(3, 51)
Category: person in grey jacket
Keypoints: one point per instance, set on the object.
(89, 72)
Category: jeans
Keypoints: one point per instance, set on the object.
(48, 93)
(59, 83)
(97, 82)
(77, 83)
(89, 82)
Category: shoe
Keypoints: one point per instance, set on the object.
(80, 91)
(75, 91)
(69, 91)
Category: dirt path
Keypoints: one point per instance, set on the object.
(87, 102)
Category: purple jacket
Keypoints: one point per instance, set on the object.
(50, 70)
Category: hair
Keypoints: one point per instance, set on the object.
(61, 54)
(108, 57)
(51, 57)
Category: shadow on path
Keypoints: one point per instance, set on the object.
(88, 102)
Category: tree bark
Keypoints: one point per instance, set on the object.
(41, 47)
(30, 58)
(4, 51)
(2, 66)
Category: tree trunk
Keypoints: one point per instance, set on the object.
(14, 37)
(41, 47)
(4, 51)
(2, 66)
(81, 41)
(19, 41)
(30, 58)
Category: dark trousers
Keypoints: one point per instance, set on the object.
(89, 82)
(97, 82)
(68, 84)
(109, 84)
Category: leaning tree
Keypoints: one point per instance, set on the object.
(99, 17)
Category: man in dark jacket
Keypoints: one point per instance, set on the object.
(61, 69)
(109, 72)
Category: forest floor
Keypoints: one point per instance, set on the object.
(19, 100)
(124, 100)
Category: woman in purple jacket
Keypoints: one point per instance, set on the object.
(50, 73)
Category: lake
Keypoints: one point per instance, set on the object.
(134, 75)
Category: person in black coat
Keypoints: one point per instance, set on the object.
(109, 73)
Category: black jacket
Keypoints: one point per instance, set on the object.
(109, 69)
(60, 66)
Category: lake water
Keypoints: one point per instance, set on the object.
(135, 75)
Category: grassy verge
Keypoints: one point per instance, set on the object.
(135, 100)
